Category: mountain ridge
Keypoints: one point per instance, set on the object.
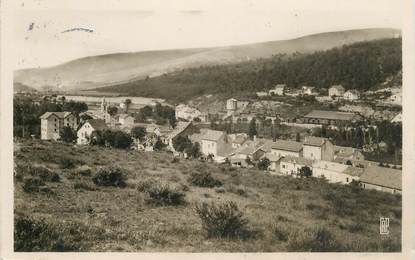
(116, 68)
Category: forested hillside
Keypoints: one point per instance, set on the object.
(361, 66)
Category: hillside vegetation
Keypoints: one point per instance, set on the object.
(102, 70)
(72, 201)
(362, 66)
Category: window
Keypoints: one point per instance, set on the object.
(347, 179)
(283, 166)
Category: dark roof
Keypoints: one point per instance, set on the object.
(331, 115)
(314, 141)
(57, 114)
(97, 124)
(338, 87)
(382, 176)
(298, 160)
(212, 135)
(285, 145)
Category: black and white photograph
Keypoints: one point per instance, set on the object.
(208, 127)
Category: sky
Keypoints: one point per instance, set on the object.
(48, 32)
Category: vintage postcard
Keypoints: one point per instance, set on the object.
(230, 129)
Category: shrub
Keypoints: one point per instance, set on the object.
(83, 185)
(220, 189)
(110, 176)
(203, 179)
(32, 184)
(318, 240)
(280, 232)
(44, 173)
(67, 163)
(222, 220)
(164, 195)
(145, 185)
(32, 235)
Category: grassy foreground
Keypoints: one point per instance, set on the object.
(67, 211)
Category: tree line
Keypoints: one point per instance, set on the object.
(361, 66)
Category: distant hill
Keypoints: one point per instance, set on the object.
(19, 87)
(105, 70)
(361, 66)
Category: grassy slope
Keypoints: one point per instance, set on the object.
(114, 219)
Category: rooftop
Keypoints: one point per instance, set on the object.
(331, 115)
(338, 87)
(57, 114)
(212, 135)
(314, 141)
(297, 160)
(331, 166)
(97, 124)
(382, 176)
(285, 145)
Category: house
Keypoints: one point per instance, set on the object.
(278, 90)
(397, 118)
(214, 143)
(189, 113)
(336, 91)
(347, 153)
(261, 94)
(323, 117)
(290, 165)
(382, 179)
(51, 123)
(351, 95)
(396, 98)
(336, 172)
(125, 119)
(238, 140)
(307, 90)
(317, 148)
(91, 125)
(283, 148)
(181, 129)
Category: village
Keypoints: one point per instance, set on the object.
(195, 133)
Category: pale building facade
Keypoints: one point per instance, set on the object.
(51, 123)
(336, 91)
(317, 148)
(84, 133)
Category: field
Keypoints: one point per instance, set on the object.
(68, 211)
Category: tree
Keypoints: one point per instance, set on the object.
(252, 131)
(67, 134)
(112, 110)
(159, 145)
(194, 150)
(127, 103)
(263, 164)
(138, 132)
(182, 143)
(122, 140)
(305, 171)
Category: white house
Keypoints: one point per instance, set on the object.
(91, 125)
(51, 123)
(396, 98)
(336, 91)
(231, 106)
(212, 140)
(126, 120)
(283, 148)
(261, 94)
(278, 90)
(307, 90)
(397, 118)
(336, 172)
(382, 179)
(189, 113)
(317, 148)
(290, 165)
(351, 95)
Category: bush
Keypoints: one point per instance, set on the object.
(83, 185)
(110, 176)
(203, 179)
(32, 235)
(164, 195)
(280, 232)
(223, 220)
(67, 163)
(318, 240)
(44, 173)
(32, 184)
